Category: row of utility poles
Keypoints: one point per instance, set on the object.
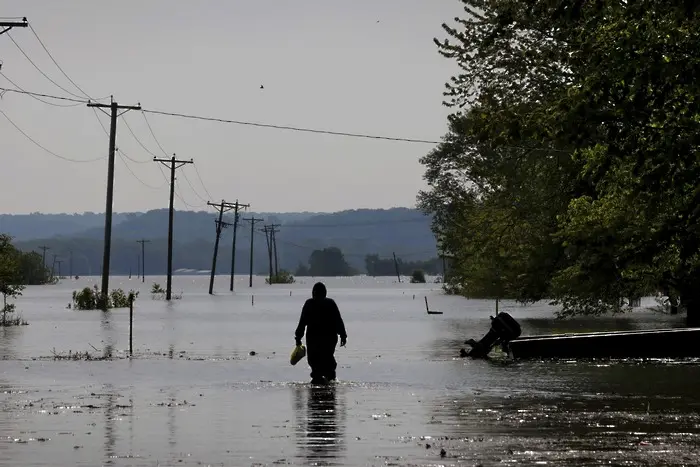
(115, 111)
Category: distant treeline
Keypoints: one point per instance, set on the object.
(356, 233)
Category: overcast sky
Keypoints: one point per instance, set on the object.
(361, 66)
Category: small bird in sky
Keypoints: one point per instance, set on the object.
(262, 87)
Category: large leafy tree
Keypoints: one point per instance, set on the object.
(10, 270)
(612, 86)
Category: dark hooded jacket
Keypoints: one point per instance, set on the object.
(321, 318)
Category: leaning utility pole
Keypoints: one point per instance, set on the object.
(396, 266)
(252, 221)
(173, 164)
(114, 109)
(143, 257)
(236, 207)
(220, 225)
(13, 24)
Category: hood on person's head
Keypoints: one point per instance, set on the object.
(319, 290)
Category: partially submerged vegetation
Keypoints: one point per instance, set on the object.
(159, 293)
(570, 168)
(282, 277)
(17, 270)
(418, 277)
(92, 299)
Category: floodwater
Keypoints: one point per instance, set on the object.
(194, 395)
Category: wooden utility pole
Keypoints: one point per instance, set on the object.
(13, 24)
(252, 221)
(396, 266)
(236, 207)
(43, 254)
(59, 261)
(70, 263)
(114, 113)
(53, 266)
(143, 242)
(173, 164)
(273, 241)
(220, 225)
(268, 237)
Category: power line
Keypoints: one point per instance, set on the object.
(291, 128)
(153, 134)
(192, 186)
(38, 94)
(35, 97)
(136, 138)
(121, 156)
(247, 123)
(42, 147)
(39, 69)
(59, 66)
(202, 182)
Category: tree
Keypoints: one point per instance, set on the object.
(10, 273)
(329, 262)
(606, 88)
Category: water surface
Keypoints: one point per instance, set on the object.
(210, 384)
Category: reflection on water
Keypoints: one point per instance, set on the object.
(210, 384)
(320, 427)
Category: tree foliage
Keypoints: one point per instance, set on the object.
(328, 262)
(570, 169)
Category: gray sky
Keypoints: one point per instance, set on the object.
(325, 64)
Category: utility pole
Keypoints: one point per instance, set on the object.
(53, 266)
(173, 164)
(252, 221)
(220, 225)
(143, 242)
(114, 109)
(43, 254)
(268, 237)
(396, 266)
(70, 264)
(13, 24)
(59, 261)
(273, 241)
(236, 207)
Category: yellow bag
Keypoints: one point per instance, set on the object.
(298, 353)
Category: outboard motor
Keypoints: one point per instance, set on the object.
(503, 330)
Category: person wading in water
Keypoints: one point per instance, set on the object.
(321, 319)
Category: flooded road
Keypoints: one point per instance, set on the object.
(210, 384)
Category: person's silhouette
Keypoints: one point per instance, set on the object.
(321, 320)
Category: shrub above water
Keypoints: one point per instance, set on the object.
(92, 299)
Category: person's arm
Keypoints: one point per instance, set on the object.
(299, 333)
(339, 324)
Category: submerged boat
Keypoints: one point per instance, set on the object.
(649, 343)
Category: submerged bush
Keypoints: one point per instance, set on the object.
(418, 277)
(11, 321)
(158, 293)
(92, 299)
(282, 277)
